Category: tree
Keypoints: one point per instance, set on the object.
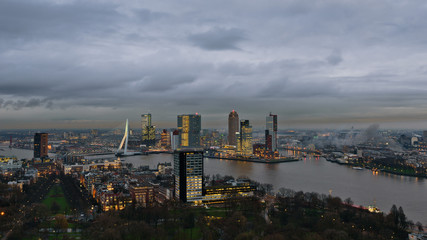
(334, 203)
(393, 215)
(348, 201)
(39, 212)
(333, 234)
(403, 224)
(268, 188)
(419, 226)
(61, 222)
(234, 225)
(411, 224)
(286, 192)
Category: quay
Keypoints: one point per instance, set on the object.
(257, 160)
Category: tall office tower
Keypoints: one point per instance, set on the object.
(268, 142)
(188, 171)
(175, 140)
(148, 130)
(165, 139)
(189, 126)
(40, 145)
(244, 138)
(233, 127)
(271, 125)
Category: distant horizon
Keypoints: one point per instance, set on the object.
(106, 125)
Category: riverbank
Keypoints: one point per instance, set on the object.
(282, 160)
(400, 172)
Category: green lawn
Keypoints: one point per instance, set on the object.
(56, 194)
(216, 212)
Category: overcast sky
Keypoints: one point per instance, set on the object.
(314, 63)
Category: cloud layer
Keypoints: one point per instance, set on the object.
(311, 62)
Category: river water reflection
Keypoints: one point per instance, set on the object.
(315, 175)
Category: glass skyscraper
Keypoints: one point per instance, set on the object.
(148, 130)
(188, 171)
(271, 126)
(244, 139)
(40, 145)
(189, 126)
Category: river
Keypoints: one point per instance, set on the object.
(313, 175)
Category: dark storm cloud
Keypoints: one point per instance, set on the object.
(303, 59)
(298, 89)
(218, 39)
(20, 104)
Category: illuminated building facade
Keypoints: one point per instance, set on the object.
(188, 171)
(262, 152)
(142, 194)
(189, 126)
(217, 194)
(40, 145)
(45, 168)
(244, 139)
(110, 201)
(165, 139)
(258, 149)
(148, 131)
(233, 127)
(271, 126)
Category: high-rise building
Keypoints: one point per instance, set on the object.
(148, 130)
(165, 139)
(268, 141)
(233, 127)
(424, 136)
(189, 126)
(244, 138)
(40, 145)
(271, 126)
(175, 139)
(188, 171)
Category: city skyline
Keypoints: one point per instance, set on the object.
(79, 64)
(221, 124)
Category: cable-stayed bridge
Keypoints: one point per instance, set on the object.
(124, 144)
(115, 144)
